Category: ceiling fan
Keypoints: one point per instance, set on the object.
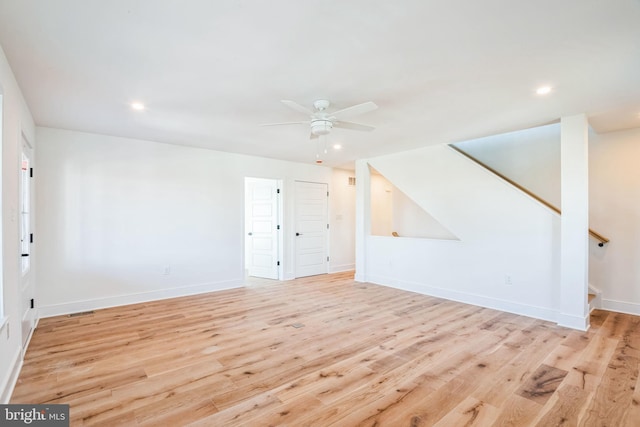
(321, 121)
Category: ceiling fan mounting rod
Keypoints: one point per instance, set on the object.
(321, 104)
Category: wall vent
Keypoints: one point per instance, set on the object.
(82, 313)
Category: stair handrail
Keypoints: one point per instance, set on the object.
(597, 236)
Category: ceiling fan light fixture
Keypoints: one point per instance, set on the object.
(321, 127)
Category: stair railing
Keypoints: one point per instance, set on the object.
(595, 235)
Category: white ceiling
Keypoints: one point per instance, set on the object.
(210, 72)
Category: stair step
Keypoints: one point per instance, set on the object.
(591, 297)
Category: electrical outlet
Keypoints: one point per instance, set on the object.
(507, 280)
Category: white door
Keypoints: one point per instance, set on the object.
(27, 291)
(311, 228)
(261, 227)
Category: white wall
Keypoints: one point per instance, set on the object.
(410, 220)
(342, 218)
(614, 179)
(16, 119)
(113, 212)
(381, 205)
(508, 254)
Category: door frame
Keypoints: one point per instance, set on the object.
(26, 147)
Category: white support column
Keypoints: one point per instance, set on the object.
(574, 236)
(363, 217)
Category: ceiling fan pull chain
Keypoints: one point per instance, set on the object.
(318, 157)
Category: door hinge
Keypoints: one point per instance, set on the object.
(327, 226)
(278, 227)
(327, 259)
(33, 303)
(327, 194)
(30, 172)
(278, 191)
(31, 238)
(278, 263)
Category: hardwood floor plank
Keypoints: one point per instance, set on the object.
(470, 412)
(513, 375)
(242, 413)
(632, 415)
(563, 357)
(89, 384)
(517, 411)
(614, 395)
(363, 407)
(176, 410)
(363, 354)
(542, 383)
(566, 409)
(587, 372)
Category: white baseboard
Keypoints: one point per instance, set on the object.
(621, 307)
(594, 290)
(342, 267)
(467, 298)
(35, 326)
(596, 303)
(580, 323)
(118, 300)
(12, 378)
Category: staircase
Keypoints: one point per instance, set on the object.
(594, 295)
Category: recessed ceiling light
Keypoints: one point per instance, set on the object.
(337, 146)
(137, 106)
(543, 90)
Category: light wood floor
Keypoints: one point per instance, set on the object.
(327, 351)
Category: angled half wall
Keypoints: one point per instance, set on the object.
(507, 255)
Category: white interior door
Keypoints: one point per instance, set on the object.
(261, 227)
(27, 288)
(311, 228)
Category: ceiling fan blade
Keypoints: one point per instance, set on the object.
(353, 126)
(354, 110)
(297, 107)
(285, 123)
